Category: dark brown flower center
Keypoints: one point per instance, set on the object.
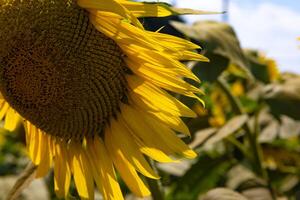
(57, 70)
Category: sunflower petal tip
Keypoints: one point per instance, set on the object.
(190, 154)
(205, 59)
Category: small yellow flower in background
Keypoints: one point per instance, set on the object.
(273, 71)
(220, 107)
(91, 86)
(237, 88)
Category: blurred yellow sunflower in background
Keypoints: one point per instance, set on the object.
(91, 86)
(271, 65)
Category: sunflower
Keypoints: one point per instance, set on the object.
(92, 88)
(271, 67)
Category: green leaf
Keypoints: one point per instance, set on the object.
(216, 38)
(288, 183)
(289, 89)
(259, 193)
(269, 133)
(210, 71)
(229, 128)
(244, 174)
(201, 136)
(223, 194)
(284, 98)
(201, 177)
(289, 127)
(249, 105)
(175, 169)
(284, 107)
(258, 69)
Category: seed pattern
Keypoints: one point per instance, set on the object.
(57, 70)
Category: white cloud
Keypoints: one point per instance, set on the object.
(265, 26)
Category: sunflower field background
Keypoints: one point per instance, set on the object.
(246, 136)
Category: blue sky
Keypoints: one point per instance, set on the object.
(271, 26)
(292, 4)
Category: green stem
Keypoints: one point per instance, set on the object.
(240, 146)
(23, 181)
(260, 153)
(235, 103)
(252, 137)
(155, 185)
(258, 149)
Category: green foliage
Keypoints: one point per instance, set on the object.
(241, 83)
(220, 44)
(203, 175)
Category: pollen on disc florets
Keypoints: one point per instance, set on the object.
(57, 70)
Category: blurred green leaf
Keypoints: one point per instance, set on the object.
(201, 136)
(289, 127)
(249, 105)
(175, 169)
(259, 193)
(210, 71)
(269, 133)
(284, 107)
(201, 177)
(289, 183)
(229, 128)
(287, 90)
(258, 69)
(284, 98)
(222, 194)
(244, 174)
(219, 42)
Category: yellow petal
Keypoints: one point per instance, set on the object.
(155, 134)
(81, 171)
(3, 109)
(158, 9)
(164, 80)
(189, 55)
(27, 127)
(123, 142)
(35, 143)
(147, 10)
(62, 173)
(126, 170)
(46, 156)
(103, 170)
(173, 122)
(169, 137)
(120, 31)
(139, 57)
(176, 42)
(12, 119)
(110, 6)
(148, 96)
